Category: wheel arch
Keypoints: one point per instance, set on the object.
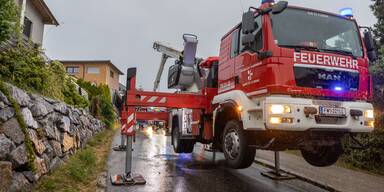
(224, 113)
(250, 110)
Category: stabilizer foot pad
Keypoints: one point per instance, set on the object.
(120, 148)
(133, 179)
(281, 176)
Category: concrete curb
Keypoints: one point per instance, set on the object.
(298, 175)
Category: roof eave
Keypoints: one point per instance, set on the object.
(48, 17)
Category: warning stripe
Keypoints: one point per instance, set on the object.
(153, 99)
(131, 117)
(128, 127)
(163, 100)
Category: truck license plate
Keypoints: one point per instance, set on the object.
(332, 111)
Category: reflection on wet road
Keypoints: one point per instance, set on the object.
(153, 157)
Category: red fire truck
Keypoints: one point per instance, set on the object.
(286, 78)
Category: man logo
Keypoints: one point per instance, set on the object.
(323, 76)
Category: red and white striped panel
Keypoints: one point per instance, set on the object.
(153, 99)
(128, 128)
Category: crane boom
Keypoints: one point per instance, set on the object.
(167, 52)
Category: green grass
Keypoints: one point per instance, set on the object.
(81, 170)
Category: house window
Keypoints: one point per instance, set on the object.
(72, 70)
(93, 70)
(111, 74)
(27, 29)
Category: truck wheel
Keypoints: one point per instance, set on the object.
(235, 146)
(181, 145)
(322, 156)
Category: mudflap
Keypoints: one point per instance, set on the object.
(131, 179)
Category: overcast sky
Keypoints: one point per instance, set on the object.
(124, 30)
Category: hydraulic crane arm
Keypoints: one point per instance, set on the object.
(190, 42)
(168, 52)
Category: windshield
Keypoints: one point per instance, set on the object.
(307, 29)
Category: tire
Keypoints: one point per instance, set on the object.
(235, 146)
(322, 156)
(181, 145)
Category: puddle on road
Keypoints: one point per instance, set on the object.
(166, 157)
(199, 166)
(185, 162)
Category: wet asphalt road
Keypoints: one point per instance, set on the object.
(153, 157)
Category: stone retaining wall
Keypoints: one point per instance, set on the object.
(55, 130)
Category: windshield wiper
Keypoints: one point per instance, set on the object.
(344, 52)
(304, 47)
(310, 48)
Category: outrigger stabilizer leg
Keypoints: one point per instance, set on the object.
(276, 173)
(122, 146)
(128, 178)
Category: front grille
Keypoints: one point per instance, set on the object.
(320, 77)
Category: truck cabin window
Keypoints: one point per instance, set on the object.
(318, 31)
(235, 43)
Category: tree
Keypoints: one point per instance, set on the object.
(373, 157)
(8, 19)
(377, 68)
(378, 10)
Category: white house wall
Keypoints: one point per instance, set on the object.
(38, 26)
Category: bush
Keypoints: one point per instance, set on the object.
(8, 19)
(107, 112)
(101, 102)
(72, 97)
(24, 67)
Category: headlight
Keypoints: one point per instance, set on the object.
(280, 109)
(369, 114)
(275, 120)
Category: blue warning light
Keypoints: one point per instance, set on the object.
(337, 88)
(346, 12)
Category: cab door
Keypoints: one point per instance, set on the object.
(229, 49)
(249, 68)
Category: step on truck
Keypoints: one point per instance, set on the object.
(287, 78)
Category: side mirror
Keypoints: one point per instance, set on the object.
(248, 22)
(279, 7)
(370, 45)
(248, 40)
(372, 56)
(368, 41)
